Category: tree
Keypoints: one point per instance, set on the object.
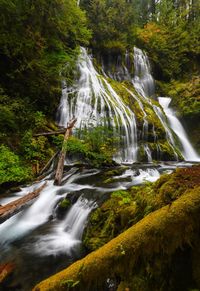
(36, 39)
(111, 22)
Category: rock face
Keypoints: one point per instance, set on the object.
(162, 249)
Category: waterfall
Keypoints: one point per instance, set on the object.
(143, 80)
(66, 235)
(145, 87)
(94, 102)
(188, 151)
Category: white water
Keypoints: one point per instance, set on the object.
(40, 211)
(188, 151)
(94, 102)
(148, 153)
(64, 236)
(145, 87)
(143, 80)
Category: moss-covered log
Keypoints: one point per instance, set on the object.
(161, 232)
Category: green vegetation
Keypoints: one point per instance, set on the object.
(126, 208)
(39, 47)
(39, 44)
(112, 24)
(65, 204)
(11, 168)
(96, 146)
(160, 252)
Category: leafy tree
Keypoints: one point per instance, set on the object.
(111, 22)
(36, 39)
(172, 40)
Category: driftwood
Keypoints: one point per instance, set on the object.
(18, 205)
(60, 131)
(60, 167)
(161, 232)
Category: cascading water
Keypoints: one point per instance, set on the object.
(37, 236)
(188, 151)
(143, 80)
(144, 85)
(94, 102)
(38, 232)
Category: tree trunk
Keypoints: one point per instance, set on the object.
(18, 205)
(60, 167)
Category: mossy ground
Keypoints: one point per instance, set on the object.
(125, 208)
(159, 252)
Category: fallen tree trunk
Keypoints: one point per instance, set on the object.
(160, 233)
(60, 167)
(18, 205)
(56, 132)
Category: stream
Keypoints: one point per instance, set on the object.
(40, 242)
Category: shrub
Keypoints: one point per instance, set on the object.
(11, 168)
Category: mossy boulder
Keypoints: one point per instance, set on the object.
(63, 207)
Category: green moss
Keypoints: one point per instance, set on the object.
(65, 204)
(143, 257)
(125, 208)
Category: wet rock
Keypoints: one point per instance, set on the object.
(62, 208)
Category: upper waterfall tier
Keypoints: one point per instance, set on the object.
(143, 80)
(93, 101)
(126, 108)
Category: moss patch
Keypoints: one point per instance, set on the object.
(125, 208)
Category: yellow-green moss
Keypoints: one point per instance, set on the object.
(142, 244)
(125, 208)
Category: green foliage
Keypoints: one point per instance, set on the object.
(96, 146)
(111, 22)
(40, 120)
(11, 168)
(125, 208)
(170, 38)
(36, 150)
(57, 140)
(124, 197)
(36, 40)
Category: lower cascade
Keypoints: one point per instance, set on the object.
(147, 130)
